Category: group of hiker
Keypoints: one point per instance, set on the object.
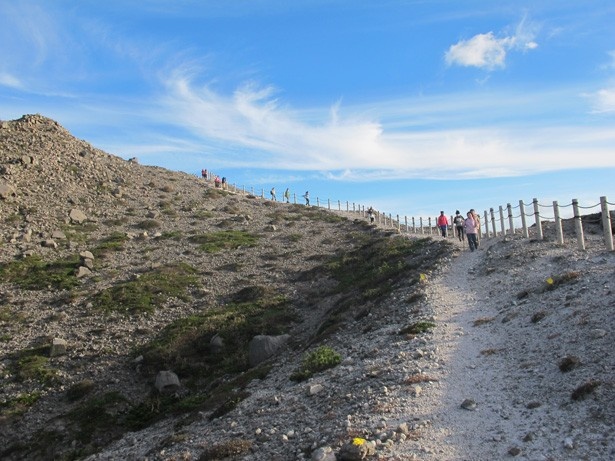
(219, 182)
(464, 227)
(286, 196)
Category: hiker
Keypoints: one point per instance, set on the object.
(204, 173)
(217, 181)
(458, 221)
(306, 196)
(224, 183)
(287, 195)
(443, 223)
(272, 192)
(470, 229)
(370, 214)
(477, 219)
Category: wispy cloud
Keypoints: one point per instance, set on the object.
(487, 51)
(10, 81)
(253, 127)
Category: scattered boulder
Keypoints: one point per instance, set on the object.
(58, 347)
(7, 191)
(262, 347)
(77, 216)
(82, 271)
(50, 243)
(167, 382)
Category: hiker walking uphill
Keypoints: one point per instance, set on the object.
(370, 214)
(470, 228)
(443, 223)
(458, 221)
(272, 192)
(306, 196)
(287, 195)
(476, 217)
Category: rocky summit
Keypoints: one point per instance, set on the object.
(147, 314)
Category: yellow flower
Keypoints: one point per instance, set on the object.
(549, 281)
(358, 441)
(422, 278)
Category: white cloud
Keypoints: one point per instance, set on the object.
(603, 100)
(482, 50)
(488, 51)
(10, 81)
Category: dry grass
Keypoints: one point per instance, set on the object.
(483, 321)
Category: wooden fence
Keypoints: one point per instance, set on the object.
(505, 223)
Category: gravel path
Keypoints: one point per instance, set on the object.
(500, 362)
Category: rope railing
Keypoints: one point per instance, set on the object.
(508, 223)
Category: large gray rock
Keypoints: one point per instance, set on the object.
(167, 382)
(58, 347)
(77, 216)
(262, 347)
(6, 191)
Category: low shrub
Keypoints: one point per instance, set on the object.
(320, 359)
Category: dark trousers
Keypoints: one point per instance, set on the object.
(472, 241)
(460, 234)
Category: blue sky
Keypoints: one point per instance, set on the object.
(411, 106)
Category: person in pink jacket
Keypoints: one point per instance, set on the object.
(443, 223)
(469, 226)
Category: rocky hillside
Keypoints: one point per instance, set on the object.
(112, 272)
(147, 315)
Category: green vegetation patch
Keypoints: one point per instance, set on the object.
(319, 359)
(149, 224)
(97, 418)
(376, 264)
(113, 242)
(33, 364)
(18, 405)
(370, 270)
(148, 291)
(224, 240)
(184, 346)
(33, 273)
(417, 328)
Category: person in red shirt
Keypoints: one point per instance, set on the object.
(443, 223)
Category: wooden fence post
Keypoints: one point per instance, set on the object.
(606, 224)
(502, 221)
(398, 224)
(413, 225)
(429, 222)
(339, 206)
(526, 232)
(510, 219)
(495, 233)
(328, 203)
(421, 223)
(406, 222)
(578, 225)
(537, 219)
(486, 225)
(263, 193)
(347, 208)
(559, 233)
